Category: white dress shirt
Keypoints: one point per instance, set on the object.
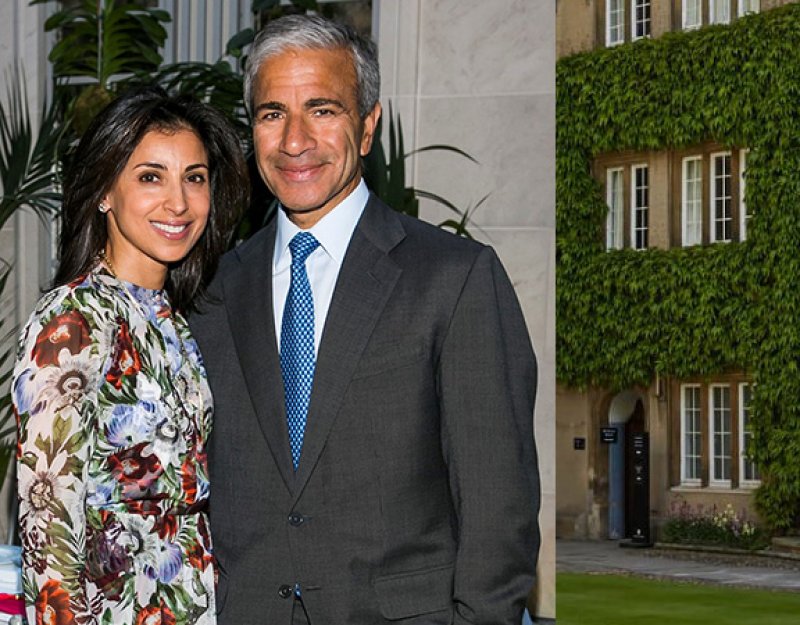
(333, 232)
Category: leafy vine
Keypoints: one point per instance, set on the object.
(625, 316)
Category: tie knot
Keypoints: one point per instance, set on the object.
(301, 245)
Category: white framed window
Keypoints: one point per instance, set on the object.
(691, 437)
(719, 11)
(640, 24)
(744, 215)
(748, 6)
(721, 198)
(615, 199)
(692, 200)
(615, 22)
(720, 434)
(748, 471)
(692, 11)
(640, 206)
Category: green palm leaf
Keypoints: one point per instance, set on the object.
(28, 171)
(101, 39)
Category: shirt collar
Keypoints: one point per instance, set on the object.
(333, 231)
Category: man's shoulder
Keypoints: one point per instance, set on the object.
(422, 237)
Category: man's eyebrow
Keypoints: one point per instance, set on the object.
(271, 106)
(317, 102)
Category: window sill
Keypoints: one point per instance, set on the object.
(744, 489)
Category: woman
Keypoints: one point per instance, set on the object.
(113, 407)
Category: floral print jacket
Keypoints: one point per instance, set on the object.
(113, 413)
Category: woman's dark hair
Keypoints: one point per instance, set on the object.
(101, 156)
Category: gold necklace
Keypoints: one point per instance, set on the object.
(163, 343)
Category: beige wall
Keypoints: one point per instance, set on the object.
(582, 475)
(577, 26)
(481, 76)
(573, 472)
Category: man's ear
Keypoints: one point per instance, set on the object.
(370, 124)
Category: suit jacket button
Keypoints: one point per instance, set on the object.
(285, 591)
(296, 519)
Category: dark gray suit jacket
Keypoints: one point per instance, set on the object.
(416, 497)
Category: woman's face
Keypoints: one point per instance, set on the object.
(158, 206)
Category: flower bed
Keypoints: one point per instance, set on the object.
(726, 527)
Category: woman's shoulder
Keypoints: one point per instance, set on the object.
(69, 325)
(86, 303)
(82, 295)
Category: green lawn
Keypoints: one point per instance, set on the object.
(621, 600)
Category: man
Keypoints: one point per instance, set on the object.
(372, 457)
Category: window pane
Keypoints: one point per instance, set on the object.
(641, 205)
(720, 11)
(614, 198)
(721, 198)
(641, 23)
(749, 6)
(691, 433)
(692, 13)
(692, 201)
(616, 22)
(721, 432)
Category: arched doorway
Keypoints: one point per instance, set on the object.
(625, 415)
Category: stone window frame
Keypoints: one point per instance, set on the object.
(735, 381)
(625, 160)
(706, 151)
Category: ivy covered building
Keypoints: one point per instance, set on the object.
(678, 259)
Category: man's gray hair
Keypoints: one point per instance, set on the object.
(312, 32)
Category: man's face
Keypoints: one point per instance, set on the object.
(307, 132)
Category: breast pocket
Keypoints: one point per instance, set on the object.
(383, 357)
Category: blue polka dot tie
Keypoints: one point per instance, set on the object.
(297, 343)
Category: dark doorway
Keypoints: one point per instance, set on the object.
(635, 425)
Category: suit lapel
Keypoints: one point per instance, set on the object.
(250, 315)
(365, 282)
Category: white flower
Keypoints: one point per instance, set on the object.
(40, 492)
(64, 385)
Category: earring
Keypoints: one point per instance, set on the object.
(103, 208)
